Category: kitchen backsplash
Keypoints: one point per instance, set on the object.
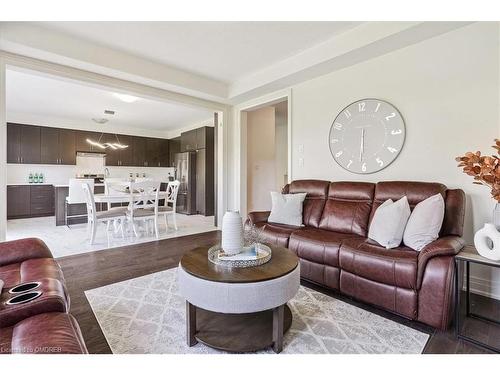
(60, 174)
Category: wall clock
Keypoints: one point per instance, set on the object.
(367, 136)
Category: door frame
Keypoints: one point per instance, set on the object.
(240, 132)
(18, 62)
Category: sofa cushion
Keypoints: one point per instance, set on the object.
(277, 234)
(30, 270)
(287, 208)
(348, 207)
(314, 203)
(415, 192)
(318, 245)
(397, 267)
(50, 333)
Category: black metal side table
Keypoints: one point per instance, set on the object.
(470, 255)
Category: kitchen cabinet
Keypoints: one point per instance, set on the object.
(82, 145)
(57, 146)
(139, 152)
(205, 171)
(188, 141)
(174, 147)
(23, 144)
(18, 201)
(120, 157)
(157, 154)
(25, 201)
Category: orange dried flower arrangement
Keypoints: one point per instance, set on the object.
(484, 169)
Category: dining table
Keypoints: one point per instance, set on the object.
(124, 197)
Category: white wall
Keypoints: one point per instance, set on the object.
(261, 163)
(447, 89)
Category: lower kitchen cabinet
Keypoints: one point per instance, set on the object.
(24, 201)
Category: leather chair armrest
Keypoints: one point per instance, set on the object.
(18, 251)
(444, 246)
(258, 217)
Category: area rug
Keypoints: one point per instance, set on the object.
(147, 315)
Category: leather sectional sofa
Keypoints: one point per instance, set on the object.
(335, 252)
(42, 325)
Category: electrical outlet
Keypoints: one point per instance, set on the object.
(301, 162)
(301, 149)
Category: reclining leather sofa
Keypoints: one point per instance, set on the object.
(42, 325)
(335, 252)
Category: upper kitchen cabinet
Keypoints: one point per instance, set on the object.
(81, 141)
(157, 152)
(196, 139)
(120, 157)
(139, 151)
(188, 141)
(174, 147)
(57, 146)
(23, 144)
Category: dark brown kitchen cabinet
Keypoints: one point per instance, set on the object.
(25, 201)
(18, 201)
(188, 141)
(57, 146)
(201, 134)
(157, 152)
(82, 145)
(49, 146)
(174, 147)
(205, 173)
(23, 144)
(164, 153)
(139, 151)
(67, 147)
(119, 157)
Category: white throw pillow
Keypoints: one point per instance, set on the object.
(287, 208)
(388, 223)
(425, 223)
(1, 285)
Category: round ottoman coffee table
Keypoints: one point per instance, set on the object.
(238, 309)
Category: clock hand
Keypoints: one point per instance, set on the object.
(361, 148)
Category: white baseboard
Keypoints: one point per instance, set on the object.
(484, 287)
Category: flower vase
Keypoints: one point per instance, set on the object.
(496, 216)
(232, 233)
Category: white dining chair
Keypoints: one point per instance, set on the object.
(144, 204)
(95, 217)
(170, 203)
(76, 195)
(114, 185)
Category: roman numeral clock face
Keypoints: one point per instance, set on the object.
(367, 136)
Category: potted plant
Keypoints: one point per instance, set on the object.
(485, 169)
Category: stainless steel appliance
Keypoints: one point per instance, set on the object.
(185, 163)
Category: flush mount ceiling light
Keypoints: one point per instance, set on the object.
(100, 120)
(126, 98)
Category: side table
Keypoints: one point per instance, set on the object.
(469, 255)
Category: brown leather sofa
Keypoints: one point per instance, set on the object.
(42, 325)
(335, 252)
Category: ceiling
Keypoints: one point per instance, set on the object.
(49, 97)
(224, 51)
(220, 62)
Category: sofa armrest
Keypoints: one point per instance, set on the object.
(258, 217)
(20, 250)
(444, 246)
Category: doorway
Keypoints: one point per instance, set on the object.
(266, 153)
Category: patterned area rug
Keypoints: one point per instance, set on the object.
(147, 315)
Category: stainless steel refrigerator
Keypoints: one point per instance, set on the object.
(185, 164)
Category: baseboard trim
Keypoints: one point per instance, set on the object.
(484, 287)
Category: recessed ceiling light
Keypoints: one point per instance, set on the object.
(126, 98)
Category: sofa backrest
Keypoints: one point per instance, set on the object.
(348, 207)
(317, 191)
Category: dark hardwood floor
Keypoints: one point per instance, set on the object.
(92, 270)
